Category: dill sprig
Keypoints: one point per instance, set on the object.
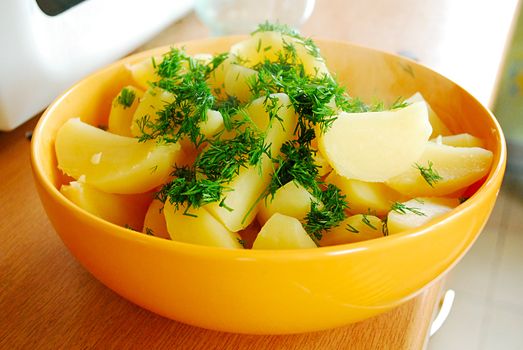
(403, 209)
(184, 77)
(430, 174)
(126, 98)
(327, 212)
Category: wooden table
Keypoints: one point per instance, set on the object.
(48, 301)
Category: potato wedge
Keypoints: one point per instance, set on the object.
(417, 212)
(200, 227)
(355, 228)
(460, 140)
(375, 146)
(458, 168)
(126, 210)
(365, 197)
(283, 232)
(248, 187)
(438, 127)
(113, 163)
(144, 71)
(154, 222)
(237, 80)
(122, 111)
(291, 199)
(153, 101)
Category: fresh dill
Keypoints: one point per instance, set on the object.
(403, 209)
(428, 173)
(366, 221)
(352, 229)
(126, 98)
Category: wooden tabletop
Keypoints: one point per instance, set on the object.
(48, 301)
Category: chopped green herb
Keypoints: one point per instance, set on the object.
(430, 175)
(367, 222)
(403, 209)
(352, 229)
(126, 98)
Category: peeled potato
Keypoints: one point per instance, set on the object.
(122, 110)
(458, 168)
(460, 140)
(216, 80)
(283, 232)
(144, 71)
(418, 212)
(364, 197)
(353, 229)
(113, 163)
(375, 146)
(200, 227)
(154, 222)
(236, 82)
(153, 101)
(291, 199)
(126, 210)
(269, 45)
(248, 186)
(438, 127)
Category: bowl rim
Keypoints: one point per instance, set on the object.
(495, 175)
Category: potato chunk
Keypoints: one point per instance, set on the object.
(248, 186)
(283, 232)
(144, 71)
(375, 146)
(438, 127)
(154, 222)
(460, 140)
(122, 110)
(236, 82)
(126, 210)
(364, 197)
(291, 199)
(113, 163)
(200, 227)
(417, 212)
(269, 45)
(353, 229)
(458, 167)
(153, 101)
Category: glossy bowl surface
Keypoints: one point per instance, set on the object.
(272, 292)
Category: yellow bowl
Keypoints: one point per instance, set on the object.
(272, 292)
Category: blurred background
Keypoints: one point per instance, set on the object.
(49, 44)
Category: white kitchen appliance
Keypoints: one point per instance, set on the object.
(42, 53)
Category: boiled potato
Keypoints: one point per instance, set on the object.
(364, 197)
(248, 186)
(216, 80)
(268, 45)
(375, 146)
(283, 232)
(154, 222)
(200, 227)
(113, 163)
(460, 140)
(122, 110)
(458, 168)
(144, 71)
(153, 101)
(291, 199)
(353, 229)
(438, 127)
(417, 212)
(237, 80)
(126, 210)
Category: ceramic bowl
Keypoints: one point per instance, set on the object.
(273, 292)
